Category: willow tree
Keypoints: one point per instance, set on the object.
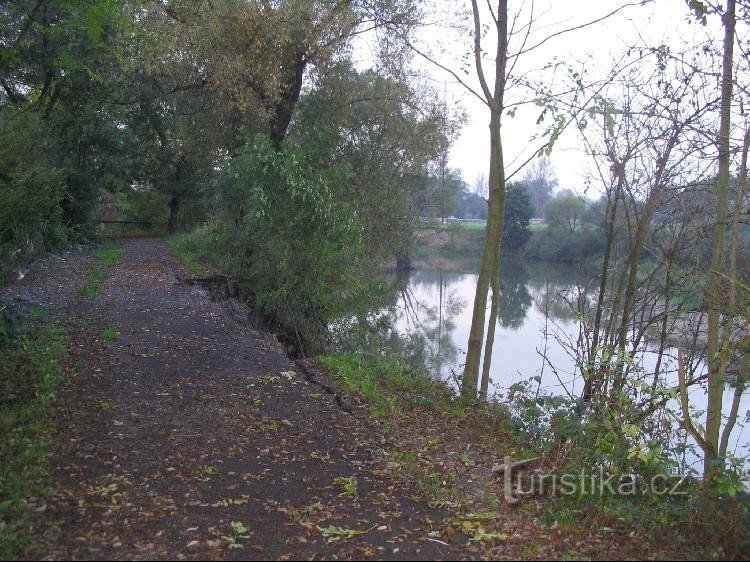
(256, 54)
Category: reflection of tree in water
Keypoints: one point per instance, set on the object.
(555, 290)
(515, 299)
(422, 328)
(418, 317)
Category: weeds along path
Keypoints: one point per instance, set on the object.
(184, 434)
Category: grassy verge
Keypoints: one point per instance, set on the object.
(384, 383)
(443, 443)
(105, 259)
(450, 243)
(439, 441)
(390, 387)
(186, 247)
(477, 225)
(29, 374)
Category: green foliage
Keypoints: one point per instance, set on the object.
(142, 205)
(518, 212)
(564, 211)
(193, 248)
(32, 189)
(59, 144)
(282, 233)
(29, 371)
(563, 245)
(391, 135)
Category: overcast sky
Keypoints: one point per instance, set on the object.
(592, 48)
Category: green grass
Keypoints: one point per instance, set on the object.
(388, 384)
(384, 382)
(476, 225)
(105, 259)
(29, 375)
(186, 247)
(109, 333)
(538, 227)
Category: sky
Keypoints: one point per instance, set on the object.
(591, 48)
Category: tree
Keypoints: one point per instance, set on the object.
(489, 274)
(480, 186)
(716, 356)
(62, 141)
(256, 54)
(540, 180)
(471, 205)
(494, 20)
(391, 134)
(564, 211)
(518, 211)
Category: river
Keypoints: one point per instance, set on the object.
(431, 316)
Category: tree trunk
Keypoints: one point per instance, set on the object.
(172, 218)
(713, 288)
(496, 205)
(593, 379)
(403, 262)
(490, 339)
(283, 107)
(490, 259)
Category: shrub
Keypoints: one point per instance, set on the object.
(553, 244)
(283, 233)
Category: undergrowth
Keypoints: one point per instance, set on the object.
(30, 358)
(188, 249)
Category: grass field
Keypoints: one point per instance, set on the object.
(477, 225)
(468, 224)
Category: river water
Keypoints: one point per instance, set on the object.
(431, 318)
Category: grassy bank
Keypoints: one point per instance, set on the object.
(388, 384)
(188, 249)
(31, 352)
(448, 447)
(458, 245)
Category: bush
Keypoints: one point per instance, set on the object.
(553, 244)
(283, 234)
(32, 191)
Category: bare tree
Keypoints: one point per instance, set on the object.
(539, 177)
(481, 187)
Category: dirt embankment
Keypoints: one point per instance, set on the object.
(448, 249)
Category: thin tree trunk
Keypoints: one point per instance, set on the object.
(496, 206)
(490, 339)
(490, 258)
(713, 288)
(172, 218)
(741, 381)
(594, 375)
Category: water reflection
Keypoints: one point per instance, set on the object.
(423, 320)
(515, 299)
(428, 317)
